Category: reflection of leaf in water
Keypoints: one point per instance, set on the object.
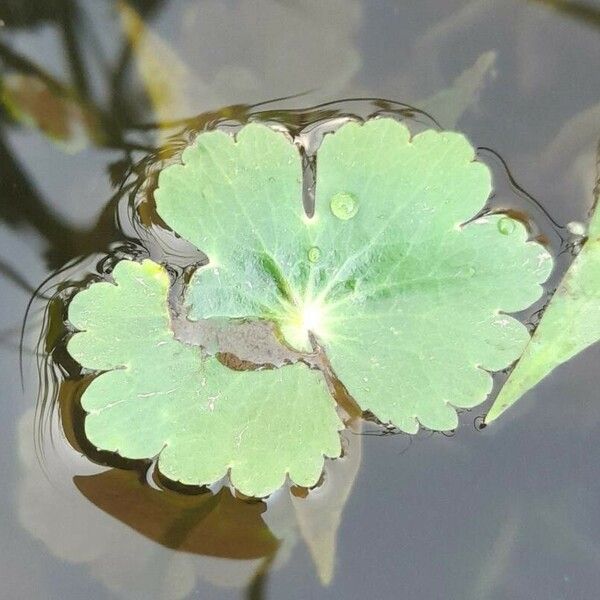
(172, 84)
(268, 59)
(570, 324)
(572, 153)
(209, 65)
(433, 44)
(214, 525)
(493, 570)
(319, 513)
(567, 531)
(62, 118)
(449, 105)
(549, 522)
(165, 76)
(175, 86)
(561, 523)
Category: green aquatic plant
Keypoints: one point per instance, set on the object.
(160, 397)
(394, 279)
(569, 325)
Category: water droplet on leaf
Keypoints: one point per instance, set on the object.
(343, 205)
(314, 254)
(506, 226)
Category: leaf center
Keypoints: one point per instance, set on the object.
(300, 321)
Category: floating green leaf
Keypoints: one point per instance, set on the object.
(391, 278)
(162, 398)
(407, 301)
(570, 324)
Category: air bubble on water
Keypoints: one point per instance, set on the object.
(576, 228)
(314, 254)
(506, 226)
(343, 205)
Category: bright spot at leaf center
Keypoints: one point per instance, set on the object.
(300, 320)
(311, 317)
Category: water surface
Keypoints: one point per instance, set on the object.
(510, 512)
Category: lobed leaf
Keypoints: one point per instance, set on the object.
(408, 303)
(163, 398)
(392, 277)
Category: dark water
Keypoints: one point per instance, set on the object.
(510, 512)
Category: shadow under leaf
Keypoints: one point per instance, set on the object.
(208, 524)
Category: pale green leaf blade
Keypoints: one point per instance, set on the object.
(413, 312)
(569, 325)
(407, 301)
(231, 198)
(162, 398)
